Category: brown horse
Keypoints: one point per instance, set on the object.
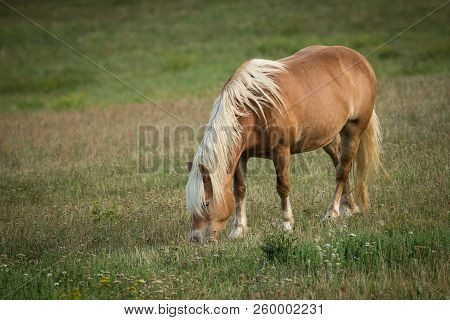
(320, 97)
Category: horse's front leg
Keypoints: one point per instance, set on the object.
(240, 219)
(281, 160)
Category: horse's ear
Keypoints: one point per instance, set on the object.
(189, 166)
(204, 171)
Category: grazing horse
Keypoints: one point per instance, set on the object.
(319, 97)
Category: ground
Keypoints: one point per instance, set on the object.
(92, 206)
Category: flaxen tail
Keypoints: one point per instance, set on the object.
(367, 160)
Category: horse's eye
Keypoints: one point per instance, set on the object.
(207, 204)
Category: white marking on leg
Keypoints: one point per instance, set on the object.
(344, 210)
(240, 220)
(288, 218)
(333, 209)
(348, 206)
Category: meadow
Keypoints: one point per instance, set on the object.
(82, 217)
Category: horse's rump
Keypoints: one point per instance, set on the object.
(323, 88)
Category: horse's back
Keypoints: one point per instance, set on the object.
(323, 70)
(324, 88)
(330, 57)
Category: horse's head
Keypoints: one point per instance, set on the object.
(208, 223)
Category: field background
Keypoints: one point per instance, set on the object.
(78, 220)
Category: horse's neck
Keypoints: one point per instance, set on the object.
(247, 126)
(235, 157)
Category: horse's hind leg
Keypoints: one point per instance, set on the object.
(281, 160)
(240, 217)
(350, 136)
(347, 205)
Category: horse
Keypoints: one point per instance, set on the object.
(319, 97)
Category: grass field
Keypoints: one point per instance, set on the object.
(78, 220)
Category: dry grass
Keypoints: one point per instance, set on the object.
(79, 221)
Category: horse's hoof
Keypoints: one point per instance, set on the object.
(287, 226)
(345, 210)
(330, 215)
(237, 232)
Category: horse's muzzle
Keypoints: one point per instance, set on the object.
(196, 236)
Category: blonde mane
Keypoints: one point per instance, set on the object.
(251, 88)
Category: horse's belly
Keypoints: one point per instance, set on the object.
(310, 143)
(317, 128)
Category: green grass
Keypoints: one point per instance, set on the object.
(79, 221)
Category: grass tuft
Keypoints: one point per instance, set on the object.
(279, 247)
